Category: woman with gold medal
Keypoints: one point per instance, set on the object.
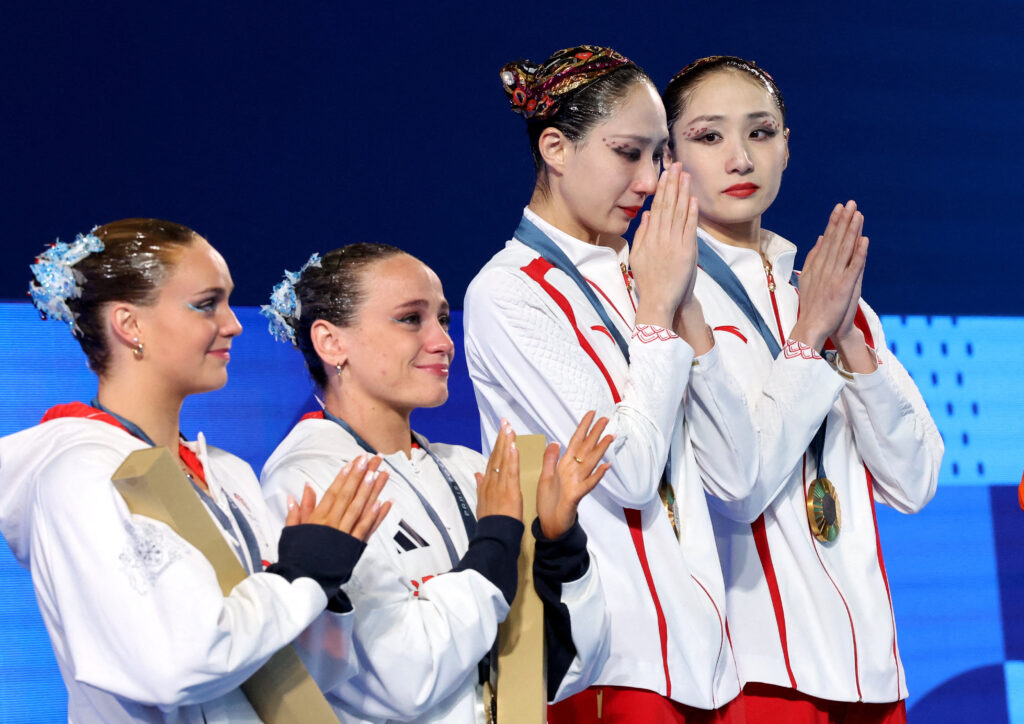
(556, 324)
(839, 423)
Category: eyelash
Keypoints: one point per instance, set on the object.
(633, 154)
(415, 319)
(712, 137)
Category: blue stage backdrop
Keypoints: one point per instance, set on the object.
(955, 569)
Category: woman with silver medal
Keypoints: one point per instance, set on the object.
(139, 624)
(440, 573)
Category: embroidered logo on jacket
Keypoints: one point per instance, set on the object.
(149, 550)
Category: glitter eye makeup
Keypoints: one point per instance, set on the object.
(617, 145)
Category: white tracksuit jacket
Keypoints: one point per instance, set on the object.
(418, 635)
(141, 630)
(804, 614)
(539, 355)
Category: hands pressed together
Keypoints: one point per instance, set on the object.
(664, 262)
(830, 286)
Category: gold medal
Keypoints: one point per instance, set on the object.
(823, 510)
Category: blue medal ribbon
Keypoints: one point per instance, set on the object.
(527, 233)
(468, 519)
(716, 268)
(255, 559)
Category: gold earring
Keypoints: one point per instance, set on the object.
(137, 351)
(337, 366)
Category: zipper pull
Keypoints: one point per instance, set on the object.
(625, 277)
(768, 273)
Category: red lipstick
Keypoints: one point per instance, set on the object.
(631, 211)
(742, 191)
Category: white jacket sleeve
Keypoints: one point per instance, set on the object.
(785, 411)
(414, 643)
(528, 365)
(141, 613)
(893, 430)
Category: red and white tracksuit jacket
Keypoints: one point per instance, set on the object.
(139, 625)
(803, 614)
(539, 355)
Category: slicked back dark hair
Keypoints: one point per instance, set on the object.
(333, 292)
(582, 109)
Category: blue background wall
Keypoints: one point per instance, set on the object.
(276, 130)
(955, 569)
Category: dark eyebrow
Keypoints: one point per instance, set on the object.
(421, 303)
(639, 138)
(714, 118)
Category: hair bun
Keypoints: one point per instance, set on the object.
(535, 91)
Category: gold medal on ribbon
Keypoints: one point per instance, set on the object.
(823, 510)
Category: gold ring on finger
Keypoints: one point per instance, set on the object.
(495, 470)
(578, 459)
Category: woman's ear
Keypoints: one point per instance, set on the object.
(554, 148)
(329, 343)
(124, 324)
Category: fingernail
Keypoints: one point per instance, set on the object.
(370, 477)
(292, 505)
(361, 462)
(348, 467)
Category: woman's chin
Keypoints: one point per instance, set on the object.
(435, 400)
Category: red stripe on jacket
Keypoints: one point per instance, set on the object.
(536, 270)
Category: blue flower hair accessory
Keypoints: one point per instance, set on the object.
(284, 304)
(56, 281)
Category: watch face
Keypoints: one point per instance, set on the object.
(823, 512)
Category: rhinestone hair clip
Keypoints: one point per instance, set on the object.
(284, 303)
(56, 281)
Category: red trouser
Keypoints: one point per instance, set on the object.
(766, 704)
(619, 705)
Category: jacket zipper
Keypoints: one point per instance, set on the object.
(775, 307)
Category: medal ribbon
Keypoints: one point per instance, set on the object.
(255, 562)
(529, 234)
(715, 267)
(468, 519)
